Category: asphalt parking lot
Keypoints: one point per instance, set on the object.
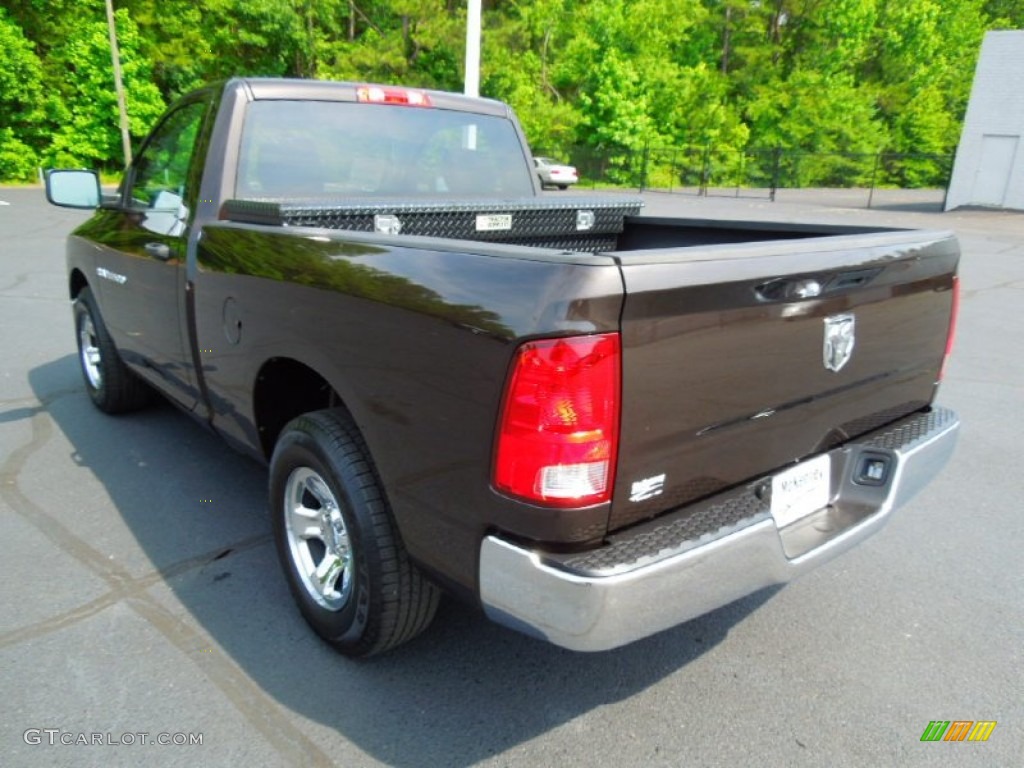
(142, 600)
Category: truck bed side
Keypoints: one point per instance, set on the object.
(415, 340)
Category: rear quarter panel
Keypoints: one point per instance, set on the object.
(416, 341)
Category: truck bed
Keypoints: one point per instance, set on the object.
(589, 224)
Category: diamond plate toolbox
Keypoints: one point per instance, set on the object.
(568, 223)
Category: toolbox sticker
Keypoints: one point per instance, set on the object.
(494, 222)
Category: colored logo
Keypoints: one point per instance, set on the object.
(958, 730)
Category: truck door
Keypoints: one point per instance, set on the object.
(141, 262)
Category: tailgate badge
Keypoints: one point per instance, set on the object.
(839, 341)
(647, 488)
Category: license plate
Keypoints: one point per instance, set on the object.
(495, 222)
(801, 490)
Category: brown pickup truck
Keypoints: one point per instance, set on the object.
(591, 423)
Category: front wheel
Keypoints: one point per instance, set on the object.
(111, 386)
(338, 543)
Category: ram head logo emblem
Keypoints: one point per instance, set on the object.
(839, 341)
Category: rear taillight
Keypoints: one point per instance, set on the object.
(954, 312)
(559, 427)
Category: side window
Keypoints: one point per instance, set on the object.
(161, 176)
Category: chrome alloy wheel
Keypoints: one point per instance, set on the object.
(318, 540)
(89, 352)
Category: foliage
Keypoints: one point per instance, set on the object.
(725, 82)
(87, 131)
(20, 97)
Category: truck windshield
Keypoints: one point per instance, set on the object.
(342, 149)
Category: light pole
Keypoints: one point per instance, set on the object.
(115, 56)
(472, 87)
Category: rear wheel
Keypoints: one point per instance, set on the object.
(338, 543)
(111, 386)
(563, 187)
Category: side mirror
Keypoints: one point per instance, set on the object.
(73, 189)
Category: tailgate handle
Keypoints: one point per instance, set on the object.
(809, 287)
(852, 279)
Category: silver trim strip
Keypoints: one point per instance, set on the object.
(114, 277)
(594, 613)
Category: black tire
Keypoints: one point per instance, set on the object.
(349, 573)
(112, 387)
(563, 187)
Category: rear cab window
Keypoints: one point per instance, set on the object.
(321, 149)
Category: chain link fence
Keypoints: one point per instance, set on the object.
(871, 180)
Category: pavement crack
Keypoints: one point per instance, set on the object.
(235, 685)
(1015, 284)
(199, 561)
(1008, 249)
(22, 297)
(64, 620)
(247, 697)
(42, 430)
(41, 403)
(132, 588)
(18, 280)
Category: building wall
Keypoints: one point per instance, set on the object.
(989, 166)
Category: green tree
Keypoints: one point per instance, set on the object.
(1005, 14)
(926, 52)
(521, 50)
(20, 102)
(408, 42)
(174, 40)
(841, 76)
(84, 104)
(812, 113)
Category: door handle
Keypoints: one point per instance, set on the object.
(160, 251)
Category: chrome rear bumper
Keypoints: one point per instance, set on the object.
(675, 568)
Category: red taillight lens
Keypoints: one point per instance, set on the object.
(559, 429)
(954, 313)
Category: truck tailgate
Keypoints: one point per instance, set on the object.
(726, 371)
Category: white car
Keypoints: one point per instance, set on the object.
(555, 174)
